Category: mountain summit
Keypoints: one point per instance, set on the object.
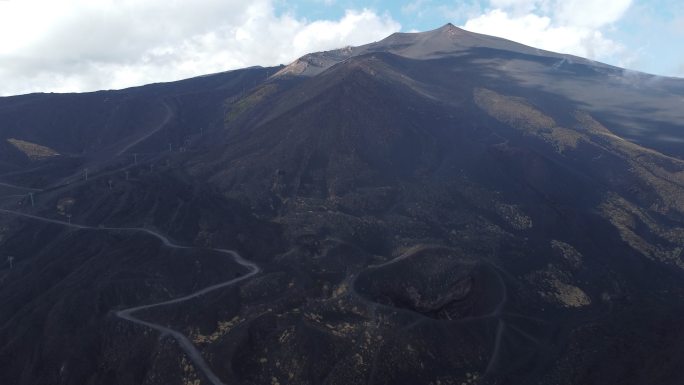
(444, 42)
(441, 207)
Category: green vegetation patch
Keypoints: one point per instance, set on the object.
(248, 102)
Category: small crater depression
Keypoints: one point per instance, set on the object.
(436, 282)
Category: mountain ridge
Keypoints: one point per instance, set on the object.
(444, 41)
(480, 216)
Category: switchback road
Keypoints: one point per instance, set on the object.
(128, 314)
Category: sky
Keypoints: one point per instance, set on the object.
(86, 45)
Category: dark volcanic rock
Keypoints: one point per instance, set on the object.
(433, 208)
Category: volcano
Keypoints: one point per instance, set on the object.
(440, 207)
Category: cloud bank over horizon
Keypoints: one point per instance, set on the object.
(83, 45)
(87, 45)
(568, 26)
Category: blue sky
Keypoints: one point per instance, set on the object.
(85, 45)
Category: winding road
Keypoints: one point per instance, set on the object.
(19, 187)
(195, 355)
(167, 118)
(498, 313)
(127, 314)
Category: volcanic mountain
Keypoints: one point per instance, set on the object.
(433, 208)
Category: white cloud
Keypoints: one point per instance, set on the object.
(568, 26)
(355, 28)
(460, 10)
(413, 7)
(78, 45)
(677, 25)
(590, 13)
(515, 6)
(680, 71)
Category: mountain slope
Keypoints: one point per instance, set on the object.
(645, 111)
(93, 129)
(440, 207)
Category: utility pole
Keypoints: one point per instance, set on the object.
(31, 196)
(69, 218)
(10, 259)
